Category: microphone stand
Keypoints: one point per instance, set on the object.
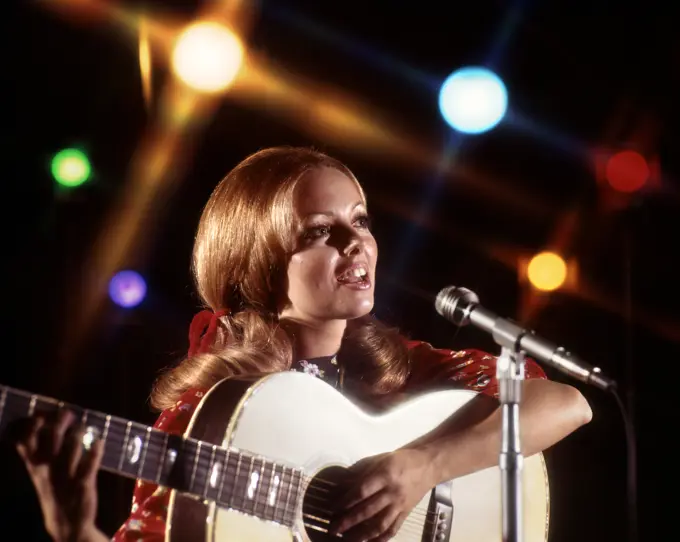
(510, 374)
(461, 307)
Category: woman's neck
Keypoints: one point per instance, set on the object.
(314, 341)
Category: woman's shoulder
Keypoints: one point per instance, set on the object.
(470, 368)
(424, 351)
(175, 419)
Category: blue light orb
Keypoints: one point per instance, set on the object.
(127, 289)
(473, 100)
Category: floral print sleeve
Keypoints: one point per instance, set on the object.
(150, 501)
(471, 369)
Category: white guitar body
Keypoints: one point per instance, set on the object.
(299, 421)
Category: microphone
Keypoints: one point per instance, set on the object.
(461, 307)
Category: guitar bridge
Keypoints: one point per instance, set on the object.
(439, 514)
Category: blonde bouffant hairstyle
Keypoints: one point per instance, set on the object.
(244, 240)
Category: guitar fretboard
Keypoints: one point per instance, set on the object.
(241, 481)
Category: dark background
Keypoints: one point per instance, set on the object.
(588, 75)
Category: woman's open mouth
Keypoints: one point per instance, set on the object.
(356, 277)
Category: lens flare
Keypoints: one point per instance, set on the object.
(207, 57)
(127, 289)
(547, 271)
(473, 100)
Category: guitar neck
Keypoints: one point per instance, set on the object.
(233, 479)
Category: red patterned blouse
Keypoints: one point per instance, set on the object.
(470, 369)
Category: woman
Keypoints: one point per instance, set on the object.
(285, 261)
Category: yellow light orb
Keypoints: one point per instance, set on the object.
(547, 271)
(207, 56)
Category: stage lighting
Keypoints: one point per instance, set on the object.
(627, 171)
(207, 56)
(547, 271)
(70, 167)
(473, 100)
(127, 289)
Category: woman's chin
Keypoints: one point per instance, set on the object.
(357, 310)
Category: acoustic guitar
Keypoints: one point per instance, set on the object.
(259, 461)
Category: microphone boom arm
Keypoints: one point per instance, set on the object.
(461, 307)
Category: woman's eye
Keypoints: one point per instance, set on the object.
(317, 232)
(364, 221)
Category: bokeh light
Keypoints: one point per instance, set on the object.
(70, 167)
(547, 271)
(627, 171)
(473, 100)
(127, 289)
(207, 56)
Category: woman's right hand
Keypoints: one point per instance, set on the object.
(64, 476)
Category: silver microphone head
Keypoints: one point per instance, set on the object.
(454, 304)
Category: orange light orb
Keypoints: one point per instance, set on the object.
(547, 271)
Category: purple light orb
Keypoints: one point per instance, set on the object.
(127, 289)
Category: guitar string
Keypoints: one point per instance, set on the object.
(143, 431)
(117, 430)
(411, 532)
(205, 463)
(410, 529)
(414, 512)
(152, 446)
(408, 522)
(408, 526)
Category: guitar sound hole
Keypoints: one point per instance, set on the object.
(318, 502)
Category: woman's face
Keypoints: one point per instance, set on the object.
(331, 274)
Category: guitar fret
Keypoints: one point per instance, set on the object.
(235, 485)
(85, 438)
(31, 406)
(164, 452)
(3, 400)
(270, 493)
(210, 473)
(145, 447)
(261, 490)
(224, 473)
(276, 494)
(193, 470)
(300, 480)
(298, 487)
(251, 485)
(286, 507)
(125, 443)
(105, 436)
(150, 455)
(106, 428)
(92, 423)
(259, 487)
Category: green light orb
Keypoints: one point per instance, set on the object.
(70, 167)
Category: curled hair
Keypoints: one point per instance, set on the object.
(244, 238)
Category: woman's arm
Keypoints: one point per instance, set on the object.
(389, 485)
(549, 411)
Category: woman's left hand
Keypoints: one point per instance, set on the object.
(387, 487)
